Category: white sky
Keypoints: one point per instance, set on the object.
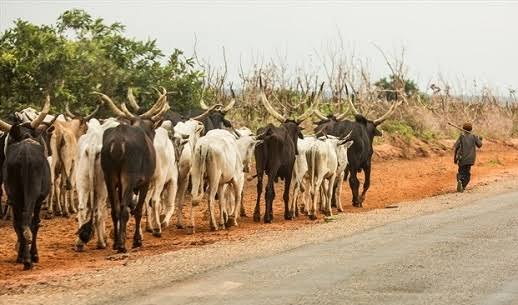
(462, 40)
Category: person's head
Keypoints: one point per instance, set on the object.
(467, 126)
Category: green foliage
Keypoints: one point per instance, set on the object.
(80, 54)
(388, 87)
(407, 131)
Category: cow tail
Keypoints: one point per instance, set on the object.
(313, 165)
(201, 160)
(86, 231)
(61, 145)
(29, 199)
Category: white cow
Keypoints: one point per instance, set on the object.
(160, 199)
(91, 188)
(323, 165)
(186, 134)
(217, 157)
(245, 145)
(300, 177)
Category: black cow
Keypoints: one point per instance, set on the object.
(128, 161)
(360, 153)
(275, 156)
(26, 175)
(212, 118)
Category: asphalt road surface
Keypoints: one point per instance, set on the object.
(465, 255)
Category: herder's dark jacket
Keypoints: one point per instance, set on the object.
(466, 149)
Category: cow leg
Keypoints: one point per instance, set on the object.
(242, 211)
(286, 197)
(101, 209)
(330, 190)
(338, 192)
(172, 189)
(19, 239)
(57, 196)
(155, 209)
(223, 217)
(237, 188)
(21, 221)
(212, 195)
(113, 197)
(35, 225)
(137, 238)
(354, 183)
(182, 187)
(316, 194)
(269, 196)
(257, 209)
(82, 215)
(366, 184)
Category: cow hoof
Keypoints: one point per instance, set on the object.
(190, 230)
(136, 244)
(27, 266)
(213, 228)
(79, 248)
(149, 230)
(65, 215)
(288, 216)
(313, 217)
(267, 220)
(101, 246)
(157, 233)
(19, 260)
(49, 215)
(35, 258)
(257, 217)
(243, 215)
(124, 250)
(231, 222)
(180, 226)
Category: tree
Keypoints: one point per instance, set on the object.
(80, 54)
(387, 87)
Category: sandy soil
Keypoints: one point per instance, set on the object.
(393, 181)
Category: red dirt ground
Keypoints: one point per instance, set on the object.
(393, 181)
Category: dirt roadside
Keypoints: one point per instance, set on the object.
(393, 181)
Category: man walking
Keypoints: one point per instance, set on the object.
(465, 155)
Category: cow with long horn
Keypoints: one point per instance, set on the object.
(128, 161)
(275, 154)
(63, 147)
(359, 155)
(27, 180)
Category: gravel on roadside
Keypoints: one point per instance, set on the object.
(97, 287)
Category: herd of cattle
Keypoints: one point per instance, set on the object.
(145, 161)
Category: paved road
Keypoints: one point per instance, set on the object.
(466, 255)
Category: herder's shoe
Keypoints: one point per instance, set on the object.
(460, 189)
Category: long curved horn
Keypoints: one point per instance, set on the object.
(5, 126)
(352, 106)
(202, 102)
(232, 101)
(387, 114)
(157, 116)
(126, 111)
(206, 113)
(46, 108)
(132, 100)
(68, 112)
(159, 104)
(319, 114)
(314, 105)
(91, 115)
(111, 104)
(342, 115)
